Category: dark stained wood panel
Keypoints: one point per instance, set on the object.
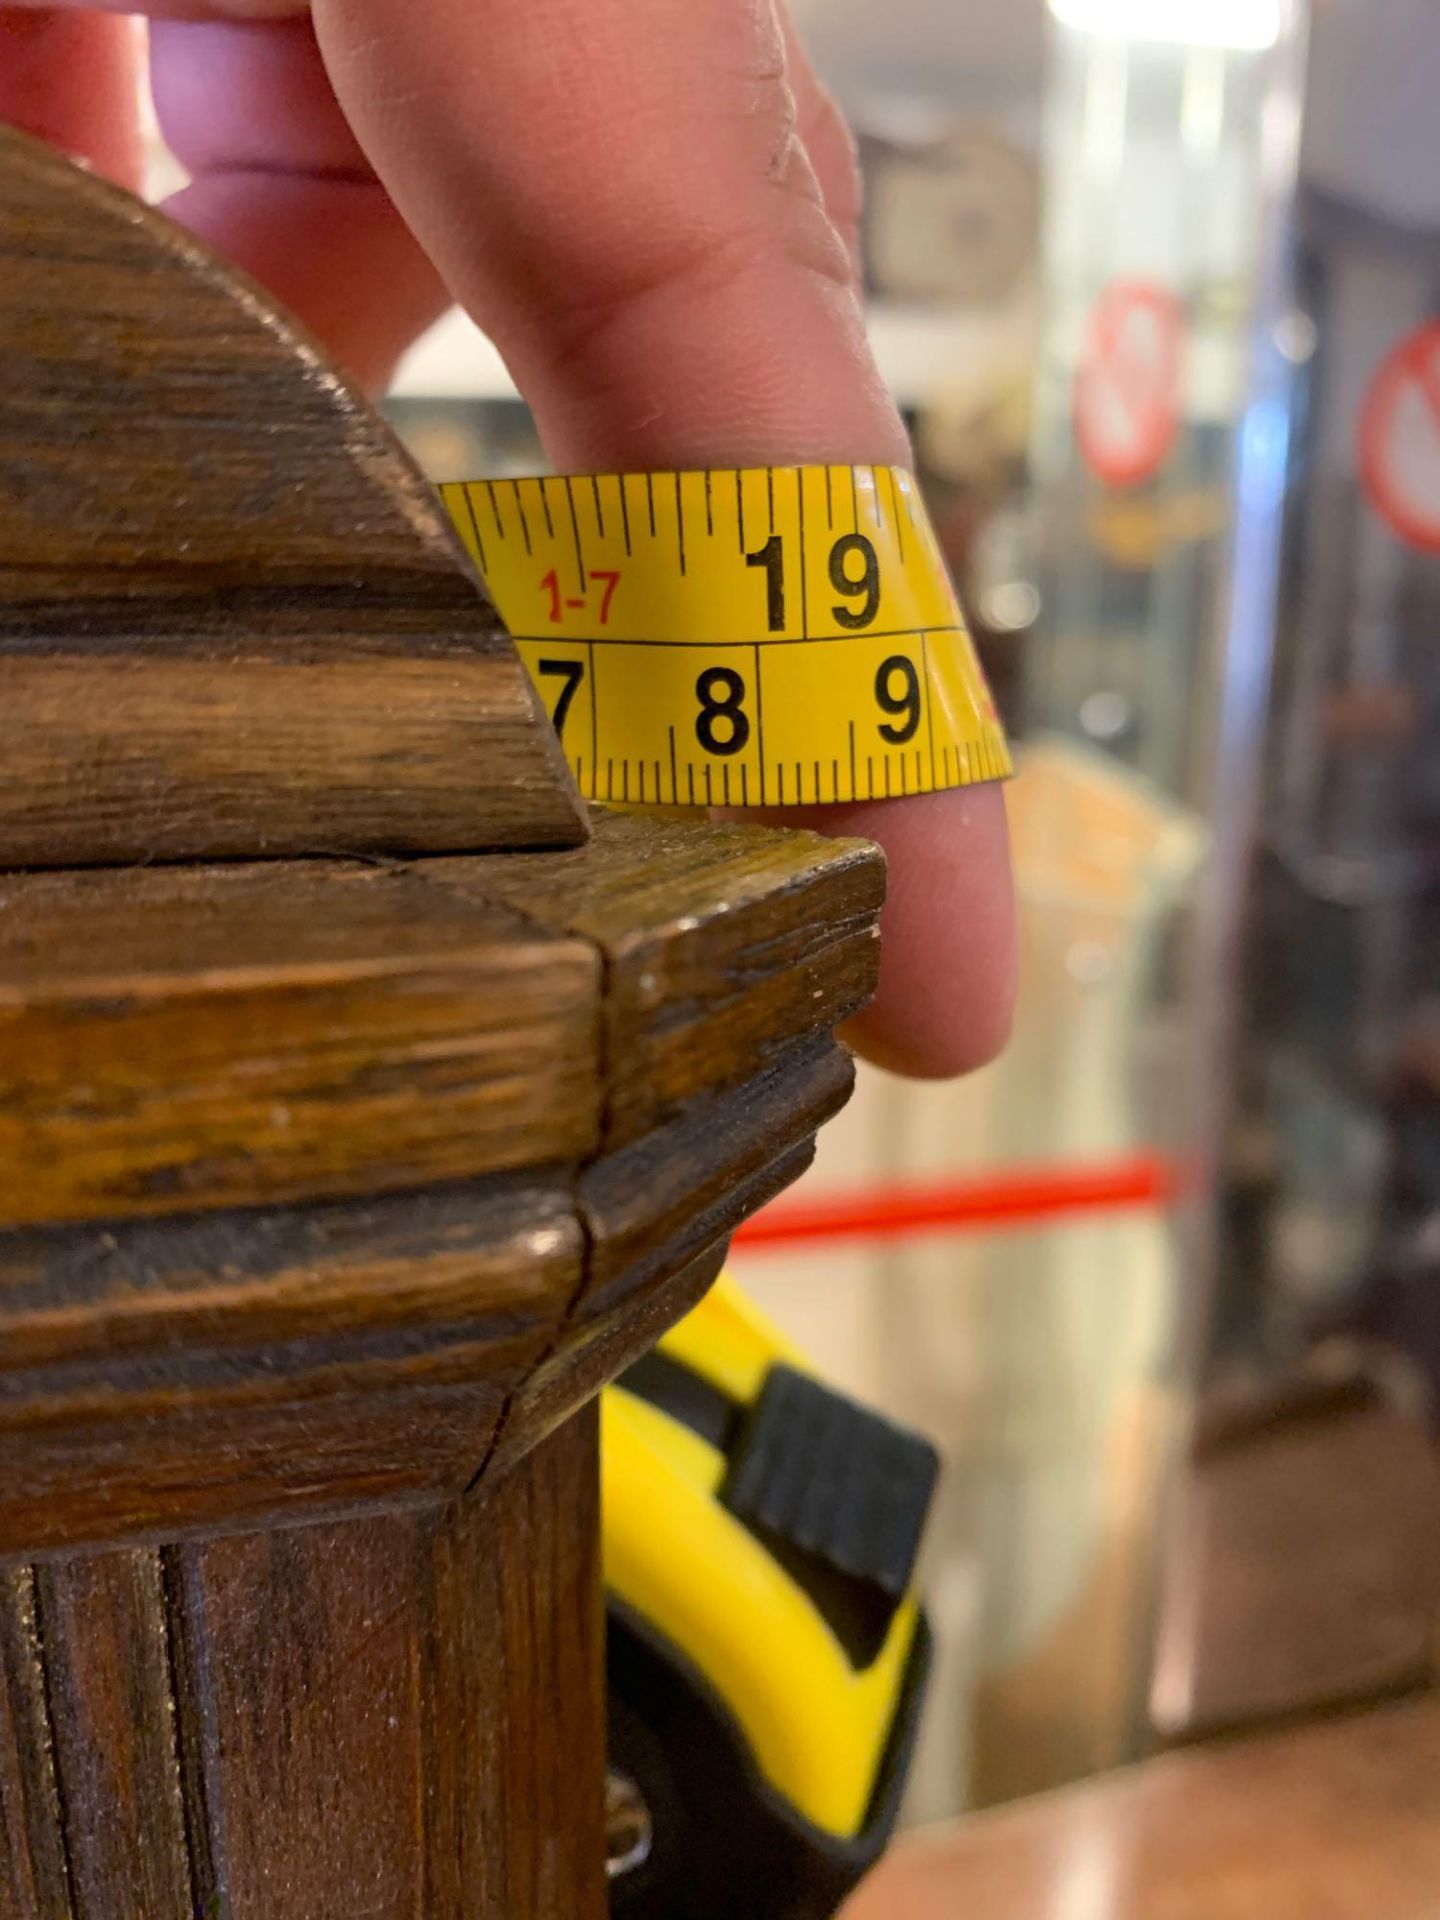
(312, 1741)
(598, 1346)
(108, 1680)
(34, 1879)
(208, 1037)
(517, 1824)
(233, 618)
(723, 945)
(405, 1715)
(219, 1369)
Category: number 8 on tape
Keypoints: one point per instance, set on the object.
(738, 638)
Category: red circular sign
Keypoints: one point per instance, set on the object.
(1127, 388)
(1400, 438)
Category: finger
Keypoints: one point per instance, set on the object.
(175, 9)
(71, 78)
(827, 140)
(950, 913)
(619, 192)
(280, 185)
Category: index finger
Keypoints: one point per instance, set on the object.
(618, 193)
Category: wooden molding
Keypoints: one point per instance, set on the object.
(475, 1212)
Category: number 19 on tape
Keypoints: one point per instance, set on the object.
(738, 637)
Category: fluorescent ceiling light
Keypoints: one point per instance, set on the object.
(1249, 24)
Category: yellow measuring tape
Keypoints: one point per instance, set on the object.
(740, 637)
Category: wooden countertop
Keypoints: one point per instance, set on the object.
(1339, 1821)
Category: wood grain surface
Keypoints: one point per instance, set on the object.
(405, 1713)
(174, 1040)
(34, 1875)
(722, 945)
(103, 1627)
(329, 1190)
(220, 1036)
(397, 1711)
(1340, 1821)
(201, 1372)
(654, 1203)
(658, 1214)
(214, 1370)
(233, 618)
(516, 1826)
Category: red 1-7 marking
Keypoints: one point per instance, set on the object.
(610, 576)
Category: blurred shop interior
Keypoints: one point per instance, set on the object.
(1140, 271)
(1156, 283)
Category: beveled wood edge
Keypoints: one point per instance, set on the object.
(366, 1346)
(424, 1421)
(766, 938)
(795, 952)
(649, 1265)
(652, 1224)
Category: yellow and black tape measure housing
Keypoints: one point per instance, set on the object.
(766, 1653)
(739, 637)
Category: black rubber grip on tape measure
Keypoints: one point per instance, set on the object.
(839, 1496)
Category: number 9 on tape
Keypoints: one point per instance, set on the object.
(745, 637)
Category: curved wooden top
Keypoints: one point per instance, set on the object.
(233, 617)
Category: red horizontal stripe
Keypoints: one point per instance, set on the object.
(1010, 1196)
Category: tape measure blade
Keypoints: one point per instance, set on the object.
(737, 637)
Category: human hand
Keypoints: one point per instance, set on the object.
(649, 205)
